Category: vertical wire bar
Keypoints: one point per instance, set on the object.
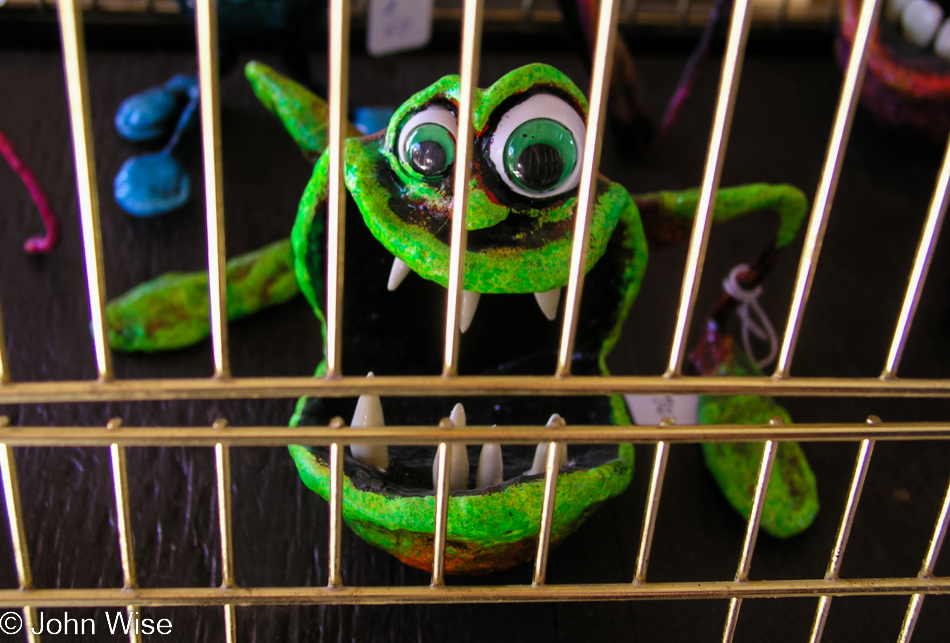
(468, 77)
(335, 576)
(11, 496)
(752, 531)
(443, 476)
(552, 466)
(927, 568)
(120, 483)
(718, 138)
(230, 624)
(21, 555)
(829, 182)
(918, 275)
(653, 506)
(222, 466)
(910, 618)
(206, 27)
(77, 86)
(222, 461)
(336, 192)
(844, 532)
(587, 193)
(4, 364)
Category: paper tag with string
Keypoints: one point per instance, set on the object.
(398, 25)
(753, 317)
(648, 410)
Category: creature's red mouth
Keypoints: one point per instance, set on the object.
(906, 84)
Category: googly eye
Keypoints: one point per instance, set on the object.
(537, 146)
(426, 143)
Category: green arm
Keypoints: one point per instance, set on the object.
(667, 216)
(791, 501)
(303, 113)
(172, 311)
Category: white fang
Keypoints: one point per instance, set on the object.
(467, 309)
(541, 453)
(548, 301)
(397, 273)
(490, 466)
(368, 414)
(458, 456)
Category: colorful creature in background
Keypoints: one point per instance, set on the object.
(157, 183)
(529, 134)
(908, 67)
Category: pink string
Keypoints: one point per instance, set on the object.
(37, 244)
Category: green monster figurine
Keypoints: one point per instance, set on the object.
(529, 133)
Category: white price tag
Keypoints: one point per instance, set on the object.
(398, 25)
(648, 410)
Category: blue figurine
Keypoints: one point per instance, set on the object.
(156, 183)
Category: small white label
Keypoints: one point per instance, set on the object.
(648, 410)
(398, 25)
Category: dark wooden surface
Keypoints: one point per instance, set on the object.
(783, 117)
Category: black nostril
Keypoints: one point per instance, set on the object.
(540, 167)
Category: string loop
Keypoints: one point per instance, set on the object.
(760, 326)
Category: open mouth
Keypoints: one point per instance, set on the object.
(494, 512)
(908, 79)
(917, 28)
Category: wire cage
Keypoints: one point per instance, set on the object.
(447, 13)
(229, 597)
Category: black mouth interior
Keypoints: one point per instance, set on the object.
(402, 333)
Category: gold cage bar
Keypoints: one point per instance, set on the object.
(821, 207)
(468, 79)
(587, 190)
(206, 25)
(718, 137)
(77, 85)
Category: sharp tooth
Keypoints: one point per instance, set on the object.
(458, 416)
(458, 455)
(490, 466)
(548, 302)
(942, 43)
(467, 312)
(369, 413)
(541, 453)
(894, 8)
(920, 21)
(397, 273)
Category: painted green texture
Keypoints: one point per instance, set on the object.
(303, 114)
(172, 311)
(790, 203)
(498, 270)
(479, 521)
(486, 101)
(791, 501)
(308, 241)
